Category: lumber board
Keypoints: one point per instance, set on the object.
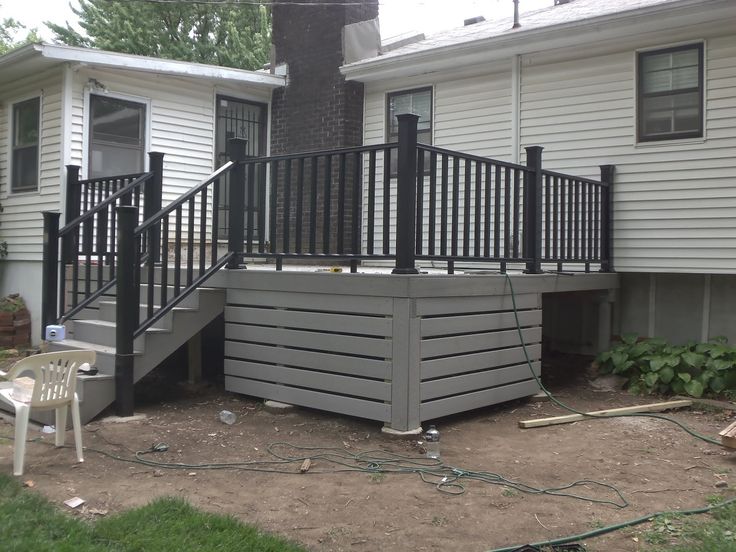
(728, 436)
(642, 408)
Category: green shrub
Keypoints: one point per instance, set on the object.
(655, 366)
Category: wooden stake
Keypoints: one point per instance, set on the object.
(654, 407)
(306, 465)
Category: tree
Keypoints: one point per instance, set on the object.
(230, 33)
(9, 30)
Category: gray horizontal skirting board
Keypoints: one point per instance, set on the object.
(473, 323)
(433, 306)
(312, 301)
(328, 322)
(462, 403)
(467, 383)
(463, 344)
(330, 362)
(313, 399)
(316, 341)
(321, 381)
(459, 364)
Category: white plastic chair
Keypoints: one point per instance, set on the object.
(55, 376)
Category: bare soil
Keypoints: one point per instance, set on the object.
(655, 465)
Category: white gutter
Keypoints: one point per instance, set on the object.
(574, 33)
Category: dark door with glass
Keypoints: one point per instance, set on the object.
(116, 136)
(238, 119)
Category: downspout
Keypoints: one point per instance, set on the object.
(67, 83)
(515, 108)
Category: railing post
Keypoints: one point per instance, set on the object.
(607, 172)
(152, 200)
(406, 195)
(533, 210)
(71, 206)
(126, 307)
(236, 149)
(50, 271)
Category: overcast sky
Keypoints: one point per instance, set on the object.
(397, 16)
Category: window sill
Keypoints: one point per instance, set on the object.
(672, 142)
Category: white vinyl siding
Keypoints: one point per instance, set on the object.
(21, 223)
(674, 202)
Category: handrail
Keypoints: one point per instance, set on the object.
(571, 177)
(150, 221)
(319, 153)
(471, 157)
(105, 203)
(104, 178)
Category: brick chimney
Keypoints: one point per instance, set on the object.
(318, 109)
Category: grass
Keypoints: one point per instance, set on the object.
(715, 532)
(28, 522)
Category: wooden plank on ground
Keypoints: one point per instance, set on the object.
(654, 407)
(728, 436)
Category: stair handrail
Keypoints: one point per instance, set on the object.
(145, 233)
(53, 286)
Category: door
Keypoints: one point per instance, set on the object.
(116, 136)
(238, 119)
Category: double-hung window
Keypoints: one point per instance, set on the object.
(25, 142)
(417, 102)
(670, 93)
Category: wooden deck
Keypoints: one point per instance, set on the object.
(399, 349)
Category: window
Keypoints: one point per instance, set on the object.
(670, 95)
(24, 162)
(116, 136)
(418, 102)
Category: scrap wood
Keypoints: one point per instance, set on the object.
(728, 436)
(305, 466)
(654, 407)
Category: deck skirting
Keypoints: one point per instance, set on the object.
(399, 349)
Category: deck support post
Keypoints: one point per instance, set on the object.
(50, 271)
(236, 149)
(533, 210)
(126, 311)
(406, 195)
(607, 172)
(152, 201)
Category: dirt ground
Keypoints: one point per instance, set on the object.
(655, 465)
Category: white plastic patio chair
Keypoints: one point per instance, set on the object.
(55, 376)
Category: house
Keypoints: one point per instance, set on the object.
(648, 86)
(444, 331)
(103, 111)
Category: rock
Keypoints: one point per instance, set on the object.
(722, 485)
(608, 383)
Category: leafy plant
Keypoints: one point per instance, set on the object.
(656, 366)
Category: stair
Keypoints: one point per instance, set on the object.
(94, 329)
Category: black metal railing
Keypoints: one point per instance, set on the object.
(430, 204)
(88, 259)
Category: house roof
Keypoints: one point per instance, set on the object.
(35, 57)
(498, 35)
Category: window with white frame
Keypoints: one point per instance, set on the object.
(670, 93)
(116, 136)
(418, 102)
(25, 145)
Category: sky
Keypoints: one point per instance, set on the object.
(396, 16)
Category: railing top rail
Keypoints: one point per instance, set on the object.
(320, 153)
(108, 178)
(183, 198)
(103, 204)
(545, 172)
(478, 158)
